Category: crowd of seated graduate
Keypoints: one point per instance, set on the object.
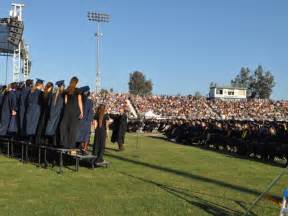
(48, 114)
(266, 140)
(259, 139)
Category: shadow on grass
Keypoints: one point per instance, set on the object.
(112, 149)
(205, 205)
(226, 153)
(187, 175)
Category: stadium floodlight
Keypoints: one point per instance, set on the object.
(98, 18)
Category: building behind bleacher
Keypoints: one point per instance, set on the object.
(224, 92)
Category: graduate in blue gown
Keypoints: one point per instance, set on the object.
(56, 112)
(8, 123)
(33, 110)
(84, 131)
(23, 105)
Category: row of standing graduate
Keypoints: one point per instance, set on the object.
(61, 118)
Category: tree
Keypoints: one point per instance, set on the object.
(243, 79)
(104, 91)
(138, 85)
(260, 84)
(197, 94)
(213, 84)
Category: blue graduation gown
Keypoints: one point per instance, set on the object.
(8, 122)
(13, 124)
(84, 131)
(56, 111)
(33, 111)
(22, 109)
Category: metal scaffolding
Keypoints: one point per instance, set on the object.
(15, 46)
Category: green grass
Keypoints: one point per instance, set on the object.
(152, 177)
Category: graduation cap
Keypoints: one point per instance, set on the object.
(2, 87)
(40, 81)
(13, 85)
(20, 84)
(60, 83)
(84, 89)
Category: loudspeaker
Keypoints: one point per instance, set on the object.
(16, 30)
(4, 21)
(14, 35)
(14, 41)
(16, 23)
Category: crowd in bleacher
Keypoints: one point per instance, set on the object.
(113, 101)
(174, 106)
(256, 109)
(189, 107)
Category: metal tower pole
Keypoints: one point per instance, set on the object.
(17, 64)
(98, 73)
(26, 62)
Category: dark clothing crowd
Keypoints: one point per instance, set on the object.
(266, 140)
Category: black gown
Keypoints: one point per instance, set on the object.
(100, 138)
(45, 111)
(70, 121)
(84, 131)
(8, 122)
(56, 112)
(33, 112)
(22, 110)
(119, 129)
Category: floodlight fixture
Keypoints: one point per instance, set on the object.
(98, 17)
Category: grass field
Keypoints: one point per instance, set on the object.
(152, 177)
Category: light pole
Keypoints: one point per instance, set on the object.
(98, 18)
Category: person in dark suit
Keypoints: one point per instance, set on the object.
(33, 110)
(55, 115)
(119, 129)
(84, 131)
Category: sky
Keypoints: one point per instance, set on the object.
(180, 45)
